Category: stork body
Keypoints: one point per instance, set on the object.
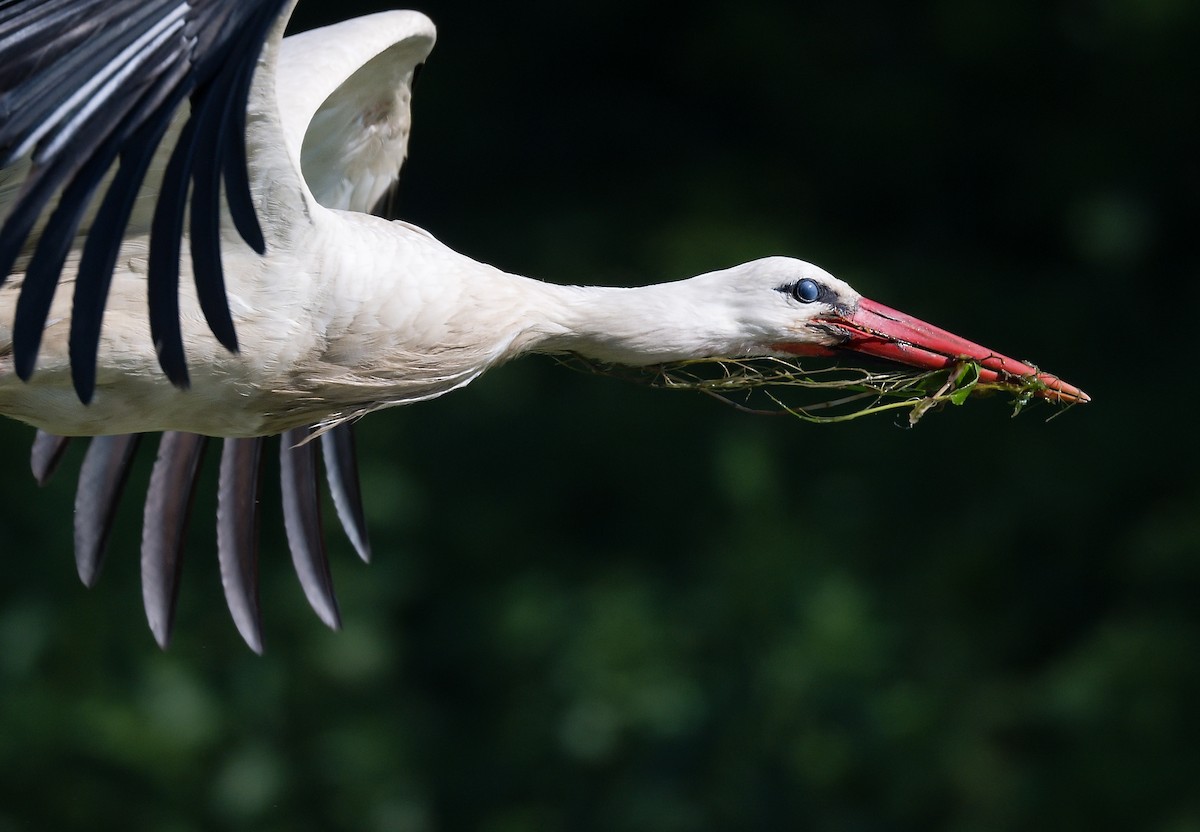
(378, 314)
(321, 346)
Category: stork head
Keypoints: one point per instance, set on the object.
(796, 308)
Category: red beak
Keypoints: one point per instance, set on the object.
(878, 330)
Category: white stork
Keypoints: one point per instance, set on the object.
(300, 308)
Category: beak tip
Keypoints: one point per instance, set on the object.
(1060, 392)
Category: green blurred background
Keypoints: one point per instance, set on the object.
(600, 607)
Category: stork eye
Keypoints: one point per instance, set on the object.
(806, 290)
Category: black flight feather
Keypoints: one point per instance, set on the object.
(77, 76)
(168, 507)
(238, 494)
(302, 522)
(102, 479)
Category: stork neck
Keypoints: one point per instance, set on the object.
(488, 316)
(642, 325)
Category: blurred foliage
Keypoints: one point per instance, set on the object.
(601, 607)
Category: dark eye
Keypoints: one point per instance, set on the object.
(806, 290)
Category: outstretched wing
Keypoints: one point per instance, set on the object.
(84, 83)
(349, 114)
(102, 479)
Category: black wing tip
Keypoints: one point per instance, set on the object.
(160, 629)
(321, 596)
(247, 618)
(238, 496)
(102, 478)
(330, 616)
(253, 639)
(84, 382)
(167, 511)
(23, 361)
(45, 455)
(229, 339)
(174, 366)
(302, 523)
(88, 571)
(341, 469)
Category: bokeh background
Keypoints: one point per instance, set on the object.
(597, 607)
